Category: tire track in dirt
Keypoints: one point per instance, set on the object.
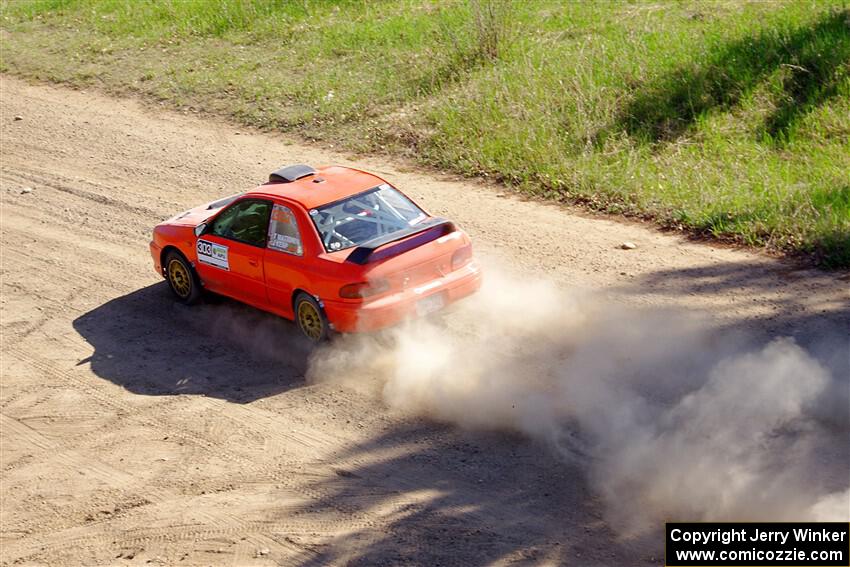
(71, 459)
(56, 235)
(218, 523)
(261, 421)
(64, 185)
(353, 516)
(270, 471)
(146, 537)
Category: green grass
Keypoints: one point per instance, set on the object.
(723, 118)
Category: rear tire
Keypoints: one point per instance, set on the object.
(310, 318)
(182, 279)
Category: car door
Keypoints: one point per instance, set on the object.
(230, 251)
(284, 258)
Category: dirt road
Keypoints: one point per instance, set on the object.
(136, 431)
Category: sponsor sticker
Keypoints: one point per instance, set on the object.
(213, 254)
(284, 243)
(282, 215)
(283, 231)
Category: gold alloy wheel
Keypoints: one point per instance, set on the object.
(310, 320)
(179, 277)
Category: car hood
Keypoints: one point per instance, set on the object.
(197, 215)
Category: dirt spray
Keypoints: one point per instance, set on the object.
(669, 418)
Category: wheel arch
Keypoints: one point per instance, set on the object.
(327, 327)
(298, 291)
(166, 250)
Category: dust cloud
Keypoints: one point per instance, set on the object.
(670, 419)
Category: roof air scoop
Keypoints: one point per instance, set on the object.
(291, 173)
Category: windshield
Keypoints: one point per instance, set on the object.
(374, 213)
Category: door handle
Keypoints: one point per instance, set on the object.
(254, 261)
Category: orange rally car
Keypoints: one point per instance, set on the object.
(335, 249)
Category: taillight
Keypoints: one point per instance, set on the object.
(461, 256)
(361, 290)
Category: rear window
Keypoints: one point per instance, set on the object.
(377, 212)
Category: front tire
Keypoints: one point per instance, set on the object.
(310, 318)
(181, 278)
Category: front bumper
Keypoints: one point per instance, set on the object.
(394, 308)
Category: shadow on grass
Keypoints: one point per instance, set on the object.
(825, 243)
(831, 248)
(815, 59)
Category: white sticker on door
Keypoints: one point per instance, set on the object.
(213, 254)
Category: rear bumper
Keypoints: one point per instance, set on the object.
(393, 309)
(156, 254)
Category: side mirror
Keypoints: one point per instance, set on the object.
(199, 230)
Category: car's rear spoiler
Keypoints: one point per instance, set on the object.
(429, 230)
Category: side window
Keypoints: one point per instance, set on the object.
(283, 231)
(245, 221)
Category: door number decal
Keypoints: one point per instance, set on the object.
(213, 254)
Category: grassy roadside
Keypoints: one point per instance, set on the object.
(729, 119)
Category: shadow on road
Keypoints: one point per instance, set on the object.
(151, 345)
(470, 499)
(820, 326)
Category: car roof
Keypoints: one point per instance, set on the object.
(329, 184)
